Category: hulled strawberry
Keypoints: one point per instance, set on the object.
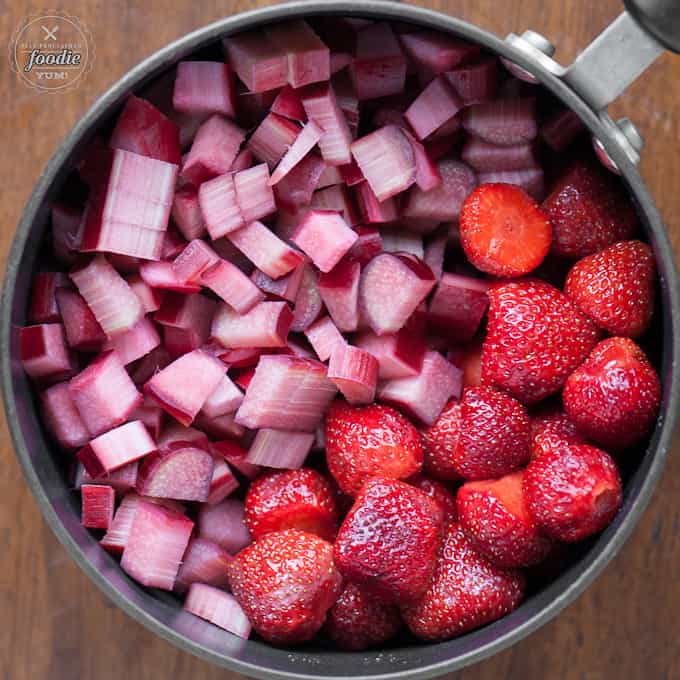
(552, 428)
(440, 441)
(364, 441)
(466, 591)
(615, 287)
(495, 517)
(438, 492)
(535, 338)
(291, 499)
(286, 582)
(573, 491)
(614, 396)
(388, 542)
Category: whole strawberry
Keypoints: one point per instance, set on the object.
(466, 591)
(291, 499)
(439, 442)
(552, 428)
(285, 582)
(359, 621)
(572, 492)
(614, 396)
(364, 441)
(535, 338)
(388, 542)
(438, 492)
(615, 287)
(495, 517)
(588, 210)
(494, 435)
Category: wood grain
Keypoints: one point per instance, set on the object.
(55, 623)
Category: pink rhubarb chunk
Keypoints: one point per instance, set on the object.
(62, 418)
(226, 398)
(325, 237)
(232, 285)
(196, 257)
(186, 213)
(265, 325)
(98, 503)
(223, 524)
(303, 144)
(222, 484)
(203, 562)
(355, 372)
(280, 449)
(399, 355)
(505, 122)
(254, 195)
(272, 138)
(436, 105)
(220, 608)
(339, 290)
(204, 87)
(260, 64)
(323, 335)
(135, 343)
(43, 351)
(379, 67)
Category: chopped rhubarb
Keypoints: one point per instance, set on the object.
(203, 562)
(236, 456)
(162, 275)
(83, 332)
(143, 369)
(157, 541)
(258, 62)
(135, 343)
(284, 288)
(204, 87)
(243, 161)
(437, 104)
(254, 195)
(402, 241)
(289, 105)
(183, 386)
(298, 186)
(435, 52)
(435, 249)
(222, 484)
(379, 66)
(288, 393)
(196, 257)
(280, 448)
(399, 355)
(98, 502)
(121, 480)
(220, 608)
(373, 211)
(506, 122)
(424, 396)
(475, 82)
(339, 290)
(339, 199)
(427, 172)
(151, 415)
(174, 432)
(308, 303)
(485, 157)
(219, 205)
(43, 307)
(191, 315)
(62, 418)
(324, 335)
(272, 139)
(179, 341)
(232, 285)
(226, 398)
(223, 524)
(149, 297)
(355, 372)
(333, 175)
(111, 300)
(303, 144)
(265, 325)
(367, 245)
(325, 237)
(186, 213)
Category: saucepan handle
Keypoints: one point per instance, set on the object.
(660, 18)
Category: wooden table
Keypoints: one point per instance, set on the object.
(57, 626)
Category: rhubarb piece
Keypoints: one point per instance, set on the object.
(149, 297)
(243, 161)
(232, 285)
(402, 279)
(424, 396)
(505, 122)
(121, 480)
(373, 211)
(339, 199)
(186, 213)
(287, 393)
(367, 245)
(387, 161)
(253, 193)
(204, 87)
(174, 432)
(443, 203)
(355, 372)
(485, 157)
(83, 332)
(531, 180)
(186, 321)
(435, 52)
(154, 549)
(224, 525)
(289, 105)
(265, 325)
(98, 502)
(308, 302)
(435, 249)
(266, 250)
(215, 146)
(236, 456)
(222, 484)
(272, 139)
(399, 355)
(321, 106)
(116, 448)
(43, 307)
(280, 449)
(458, 306)
(151, 415)
(339, 290)
(561, 129)
(135, 343)
(183, 386)
(284, 288)
(258, 62)
(111, 300)
(323, 335)
(298, 186)
(226, 398)
(66, 234)
(325, 237)
(379, 66)
(148, 365)
(62, 418)
(333, 175)
(475, 83)
(182, 473)
(437, 104)
(219, 206)
(162, 275)
(203, 562)
(143, 129)
(427, 172)
(196, 257)
(93, 388)
(401, 241)
(303, 144)
(218, 607)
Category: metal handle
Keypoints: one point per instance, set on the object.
(660, 18)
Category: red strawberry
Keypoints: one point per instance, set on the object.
(615, 287)
(589, 210)
(535, 338)
(465, 592)
(494, 516)
(495, 434)
(469, 359)
(291, 499)
(503, 231)
(552, 428)
(388, 543)
(286, 582)
(614, 396)
(438, 492)
(364, 441)
(439, 442)
(573, 491)
(358, 621)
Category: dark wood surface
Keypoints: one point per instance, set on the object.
(54, 623)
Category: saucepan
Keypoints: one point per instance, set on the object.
(597, 77)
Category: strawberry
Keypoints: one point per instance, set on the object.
(494, 516)
(615, 287)
(438, 492)
(358, 621)
(388, 542)
(495, 434)
(363, 441)
(285, 582)
(614, 396)
(552, 428)
(535, 338)
(466, 591)
(572, 492)
(503, 231)
(589, 210)
(469, 359)
(439, 441)
(291, 499)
